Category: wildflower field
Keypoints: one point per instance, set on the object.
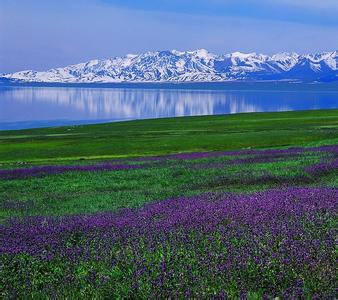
(217, 207)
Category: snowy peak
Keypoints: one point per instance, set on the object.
(188, 66)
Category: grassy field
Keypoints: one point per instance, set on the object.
(224, 206)
(163, 136)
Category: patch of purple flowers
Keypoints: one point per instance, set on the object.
(202, 212)
(215, 154)
(278, 241)
(322, 168)
(57, 169)
(257, 156)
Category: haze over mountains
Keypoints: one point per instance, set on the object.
(192, 66)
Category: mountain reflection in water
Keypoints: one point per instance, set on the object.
(59, 105)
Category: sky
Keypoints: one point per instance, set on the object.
(43, 34)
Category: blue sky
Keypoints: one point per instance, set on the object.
(41, 34)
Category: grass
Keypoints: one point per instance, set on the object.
(163, 136)
(91, 192)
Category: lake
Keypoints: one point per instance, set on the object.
(28, 107)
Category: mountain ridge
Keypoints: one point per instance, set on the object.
(192, 66)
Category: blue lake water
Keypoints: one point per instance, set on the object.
(28, 107)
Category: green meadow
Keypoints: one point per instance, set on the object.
(89, 192)
(172, 135)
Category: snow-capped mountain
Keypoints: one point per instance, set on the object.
(192, 66)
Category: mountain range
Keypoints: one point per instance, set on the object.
(192, 66)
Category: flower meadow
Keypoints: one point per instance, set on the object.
(251, 224)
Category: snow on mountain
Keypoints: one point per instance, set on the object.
(199, 65)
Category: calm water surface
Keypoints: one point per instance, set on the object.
(27, 107)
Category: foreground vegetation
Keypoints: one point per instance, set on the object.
(248, 223)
